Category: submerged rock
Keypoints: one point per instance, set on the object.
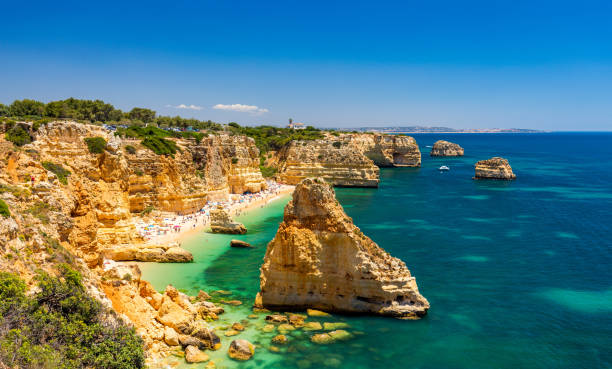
(445, 148)
(280, 339)
(194, 355)
(331, 337)
(221, 222)
(241, 350)
(320, 259)
(239, 243)
(494, 168)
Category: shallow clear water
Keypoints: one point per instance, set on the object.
(518, 273)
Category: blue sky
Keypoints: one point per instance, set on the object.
(463, 64)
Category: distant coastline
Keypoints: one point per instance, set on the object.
(421, 129)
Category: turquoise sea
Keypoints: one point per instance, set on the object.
(518, 274)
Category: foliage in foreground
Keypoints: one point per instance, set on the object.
(61, 326)
(61, 172)
(96, 145)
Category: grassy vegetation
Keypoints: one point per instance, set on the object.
(40, 210)
(4, 210)
(61, 326)
(135, 131)
(269, 138)
(61, 172)
(147, 210)
(160, 146)
(267, 172)
(96, 145)
(19, 192)
(130, 149)
(18, 134)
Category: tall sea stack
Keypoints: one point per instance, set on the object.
(320, 259)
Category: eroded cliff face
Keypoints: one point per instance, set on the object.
(229, 164)
(350, 160)
(387, 150)
(89, 217)
(445, 148)
(494, 168)
(334, 160)
(320, 259)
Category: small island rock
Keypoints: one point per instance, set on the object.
(445, 148)
(494, 168)
(318, 249)
(240, 244)
(221, 222)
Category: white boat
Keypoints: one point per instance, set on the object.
(444, 168)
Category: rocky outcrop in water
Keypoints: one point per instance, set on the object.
(494, 168)
(320, 259)
(445, 148)
(221, 222)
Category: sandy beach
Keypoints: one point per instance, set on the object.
(180, 226)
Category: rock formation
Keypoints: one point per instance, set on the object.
(346, 160)
(445, 148)
(86, 214)
(320, 259)
(387, 150)
(221, 222)
(241, 350)
(240, 244)
(335, 161)
(494, 168)
(158, 253)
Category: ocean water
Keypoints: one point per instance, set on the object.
(518, 274)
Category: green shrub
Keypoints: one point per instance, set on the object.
(139, 172)
(267, 171)
(61, 326)
(160, 146)
(234, 160)
(337, 144)
(147, 210)
(18, 135)
(96, 145)
(4, 210)
(61, 172)
(40, 210)
(130, 149)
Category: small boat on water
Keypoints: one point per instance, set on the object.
(444, 168)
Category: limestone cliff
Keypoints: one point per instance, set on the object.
(387, 150)
(494, 168)
(345, 159)
(70, 205)
(320, 259)
(229, 164)
(445, 148)
(334, 160)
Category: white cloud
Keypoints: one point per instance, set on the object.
(241, 108)
(183, 106)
